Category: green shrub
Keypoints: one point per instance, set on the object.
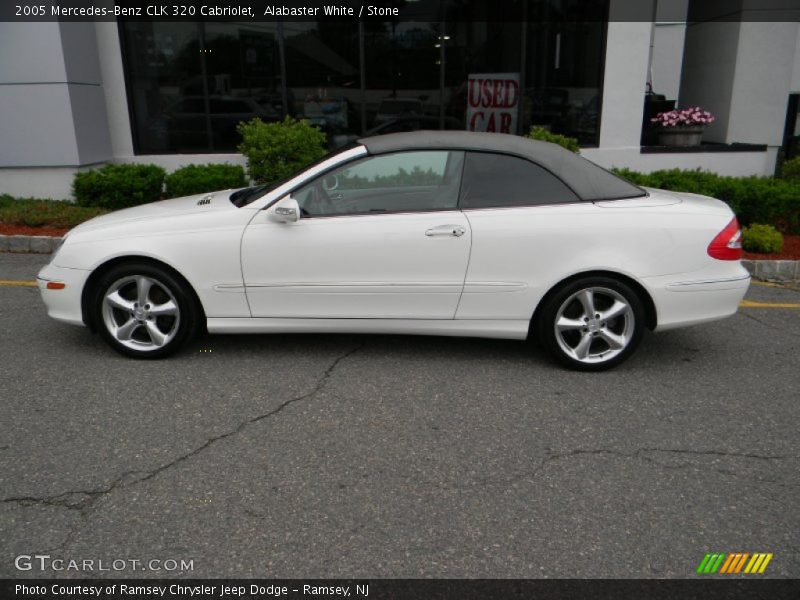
(6, 200)
(275, 151)
(543, 135)
(762, 238)
(753, 199)
(33, 212)
(119, 186)
(791, 169)
(198, 179)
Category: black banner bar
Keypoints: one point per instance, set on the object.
(397, 10)
(400, 589)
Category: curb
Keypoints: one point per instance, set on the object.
(771, 270)
(35, 244)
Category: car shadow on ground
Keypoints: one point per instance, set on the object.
(674, 346)
(671, 347)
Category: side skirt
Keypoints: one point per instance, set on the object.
(503, 329)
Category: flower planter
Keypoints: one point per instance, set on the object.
(690, 135)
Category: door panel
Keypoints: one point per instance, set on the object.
(369, 266)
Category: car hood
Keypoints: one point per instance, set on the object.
(174, 207)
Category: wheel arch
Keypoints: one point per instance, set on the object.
(651, 314)
(106, 266)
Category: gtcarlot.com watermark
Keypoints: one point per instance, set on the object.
(44, 562)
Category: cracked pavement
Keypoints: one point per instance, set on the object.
(388, 456)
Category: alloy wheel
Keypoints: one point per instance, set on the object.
(141, 313)
(594, 325)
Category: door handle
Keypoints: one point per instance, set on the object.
(451, 230)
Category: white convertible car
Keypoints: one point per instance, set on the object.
(440, 233)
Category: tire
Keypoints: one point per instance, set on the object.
(593, 340)
(144, 311)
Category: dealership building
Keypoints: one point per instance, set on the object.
(77, 95)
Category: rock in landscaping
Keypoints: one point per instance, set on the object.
(780, 270)
(3, 243)
(41, 244)
(19, 243)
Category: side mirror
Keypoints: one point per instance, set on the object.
(287, 210)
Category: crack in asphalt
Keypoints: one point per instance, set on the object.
(82, 499)
(640, 454)
(323, 379)
(768, 325)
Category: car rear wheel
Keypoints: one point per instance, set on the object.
(591, 324)
(144, 311)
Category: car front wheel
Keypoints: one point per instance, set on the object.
(592, 324)
(143, 311)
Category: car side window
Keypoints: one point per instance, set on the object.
(388, 183)
(500, 180)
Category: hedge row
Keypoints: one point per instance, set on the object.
(33, 212)
(754, 199)
(545, 135)
(200, 179)
(119, 186)
(273, 151)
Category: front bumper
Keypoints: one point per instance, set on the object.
(63, 304)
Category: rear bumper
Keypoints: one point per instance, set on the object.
(692, 301)
(63, 304)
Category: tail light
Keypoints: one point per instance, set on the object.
(727, 245)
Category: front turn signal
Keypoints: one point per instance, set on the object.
(56, 285)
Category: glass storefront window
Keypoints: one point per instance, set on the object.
(563, 78)
(465, 64)
(164, 77)
(402, 76)
(190, 84)
(323, 76)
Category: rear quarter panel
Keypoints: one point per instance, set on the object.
(537, 247)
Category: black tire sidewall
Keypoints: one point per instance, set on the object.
(545, 323)
(186, 304)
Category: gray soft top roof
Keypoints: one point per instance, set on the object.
(586, 179)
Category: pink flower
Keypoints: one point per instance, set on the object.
(683, 117)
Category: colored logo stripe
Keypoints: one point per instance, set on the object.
(711, 563)
(758, 563)
(734, 563)
(727, 564)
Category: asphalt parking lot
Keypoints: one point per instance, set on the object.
(388, 456)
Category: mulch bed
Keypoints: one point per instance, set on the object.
(791, 250)
(6, 229)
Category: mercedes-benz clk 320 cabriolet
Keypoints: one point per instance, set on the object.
(440, 233)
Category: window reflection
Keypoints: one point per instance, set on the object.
(323, 73)
(400, 182)
(189, 84)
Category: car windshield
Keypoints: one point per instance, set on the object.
(248, 195)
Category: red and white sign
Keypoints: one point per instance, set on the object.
(493, 102)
